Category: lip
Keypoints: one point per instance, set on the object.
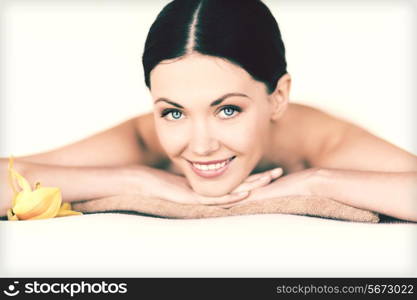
(211, 173)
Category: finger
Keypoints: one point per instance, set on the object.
(247, 186)
(263, 180)
(254, 177)
(230, 198)
(230, 205)
(253, 198)
(274, 172)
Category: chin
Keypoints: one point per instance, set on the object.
(212, 191)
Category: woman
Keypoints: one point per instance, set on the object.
(223, 131)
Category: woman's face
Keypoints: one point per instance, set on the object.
(212, 119)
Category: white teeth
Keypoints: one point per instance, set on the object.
(210, 167)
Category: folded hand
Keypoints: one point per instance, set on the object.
(297, 183)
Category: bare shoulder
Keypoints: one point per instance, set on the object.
(330, 141)
(145, 128)
(309, 131)
(309, 114)
(117, 145)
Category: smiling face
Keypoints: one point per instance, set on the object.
(212, 119)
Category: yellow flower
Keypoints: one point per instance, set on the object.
(41, 203)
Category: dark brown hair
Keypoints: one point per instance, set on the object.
(242, 31)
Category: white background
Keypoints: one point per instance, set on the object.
(72, 68)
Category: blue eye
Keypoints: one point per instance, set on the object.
(229, 111)
(175, 114)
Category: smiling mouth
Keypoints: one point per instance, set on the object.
(211, 170)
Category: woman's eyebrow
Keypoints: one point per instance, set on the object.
(214, 103)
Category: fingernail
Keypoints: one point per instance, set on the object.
(277, 171)
(263, 178)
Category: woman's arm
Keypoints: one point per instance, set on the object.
(350, 165)
(96, 166)
(83, 169)
(353, 148)
(390, 193)
(76, 183)
(365, 171)
(87, 183)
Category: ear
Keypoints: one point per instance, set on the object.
(280, 97)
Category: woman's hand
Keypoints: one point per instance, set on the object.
(251, 183)
(297, 183)
(164, 185)
(258, 180)
(161, 184)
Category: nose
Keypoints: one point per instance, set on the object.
(203, 141)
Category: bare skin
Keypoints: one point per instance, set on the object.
(301, 140)
(288, 149)
(320, 154)
(334, 143)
